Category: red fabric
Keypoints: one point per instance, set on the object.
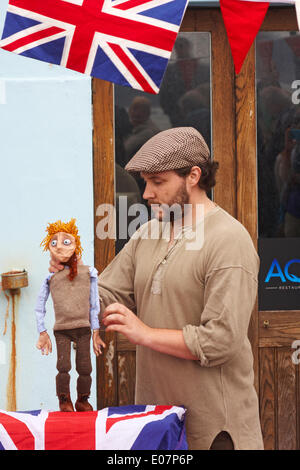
(76, 430)
(19, 432)
(132, 67)
(242, 21)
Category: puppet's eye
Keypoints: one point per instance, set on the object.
(67, 242)
(54, 243)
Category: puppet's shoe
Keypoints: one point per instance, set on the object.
(65, 403)
(82, 403)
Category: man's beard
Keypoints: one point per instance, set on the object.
(178, 202)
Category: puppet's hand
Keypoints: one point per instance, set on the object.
(44, 343)
(97, 343)
(56, 266)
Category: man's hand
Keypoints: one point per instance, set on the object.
(97, 343)
(116, 317)
(44, 343)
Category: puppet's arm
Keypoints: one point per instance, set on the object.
(44, 341)
(94, 312)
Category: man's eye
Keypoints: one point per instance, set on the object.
(157, 182)
(54, 243)
(67, 242)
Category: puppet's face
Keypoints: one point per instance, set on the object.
(62, 246)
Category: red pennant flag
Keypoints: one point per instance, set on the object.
(242, 21)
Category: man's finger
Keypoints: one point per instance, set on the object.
(116, 327)
(114, 308)
(115, 318)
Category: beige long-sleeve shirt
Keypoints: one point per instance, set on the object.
(209, 294)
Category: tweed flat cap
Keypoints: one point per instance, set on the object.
(170, 150)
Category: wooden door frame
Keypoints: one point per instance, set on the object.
(233, 145)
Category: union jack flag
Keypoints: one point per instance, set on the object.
(128, 42)
(133, 427)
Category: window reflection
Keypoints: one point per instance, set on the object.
(278, 134)
(184, 100)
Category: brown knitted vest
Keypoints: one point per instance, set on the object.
(71, 299)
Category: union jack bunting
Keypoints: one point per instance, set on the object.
(116, 428)
(128, 42)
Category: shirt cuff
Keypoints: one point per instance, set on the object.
(93, 272)
(191, 339)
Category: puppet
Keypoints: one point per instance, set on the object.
(76, 306)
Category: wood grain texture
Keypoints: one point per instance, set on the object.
(123, 344)
(267, 399)
(104, 165)
(245, 118)
(298, 400)
(281, 329)
(103, 169)
(223, 115)
(287, 411)
(280, 19)
(126, 378)
(246, 145)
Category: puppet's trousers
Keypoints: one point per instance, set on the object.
(81, 337)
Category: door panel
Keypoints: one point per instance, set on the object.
(279, 398)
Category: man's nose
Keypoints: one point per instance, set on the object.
(148, 192)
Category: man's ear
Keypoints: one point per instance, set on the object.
(194, 175)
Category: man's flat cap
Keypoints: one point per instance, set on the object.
(172, 149)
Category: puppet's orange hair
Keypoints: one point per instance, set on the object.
(67, 227)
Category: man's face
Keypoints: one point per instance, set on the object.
(165, 188)
(62, 246)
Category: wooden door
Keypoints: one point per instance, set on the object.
(277, 56)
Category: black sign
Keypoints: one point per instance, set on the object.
(279, 275)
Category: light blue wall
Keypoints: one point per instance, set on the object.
(45, 175)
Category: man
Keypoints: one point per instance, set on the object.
(188, 310)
